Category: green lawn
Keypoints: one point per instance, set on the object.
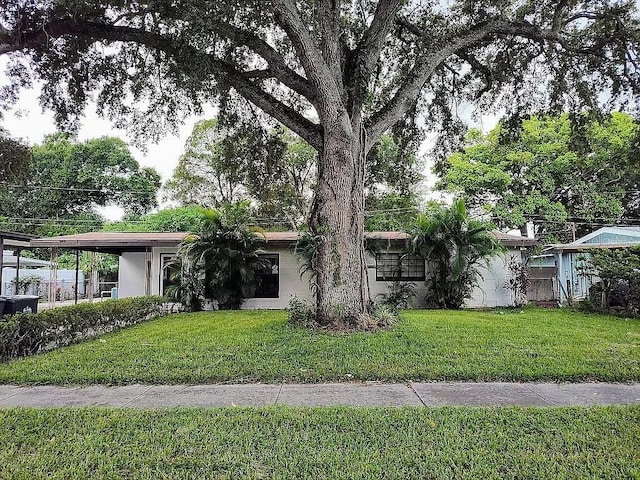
(336, 443)
(250, 346)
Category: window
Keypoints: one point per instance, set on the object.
(168, 267)
(399, 266)
(269, 276)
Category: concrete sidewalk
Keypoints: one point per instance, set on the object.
(324, 394)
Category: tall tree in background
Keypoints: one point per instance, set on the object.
(67, 180)
(338, 73)
(392, 190)
(222, 164)
(14, 158)
(553, 171)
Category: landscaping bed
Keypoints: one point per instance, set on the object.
(259, 346)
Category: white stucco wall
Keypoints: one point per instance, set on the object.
(131, 275)
(131, 278)
(491, 291)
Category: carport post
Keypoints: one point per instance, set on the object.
(75, 295)
(18, 271)
(1, 261)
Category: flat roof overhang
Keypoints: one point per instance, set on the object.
(15, 239)
(585, 247)
(119, 242)
(111, 242)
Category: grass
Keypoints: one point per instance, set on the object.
(335, 443)
(251, 346)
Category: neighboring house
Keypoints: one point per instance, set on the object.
(145, 260)
(17, 241)
(562, 261)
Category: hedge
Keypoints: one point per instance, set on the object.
(28, 333)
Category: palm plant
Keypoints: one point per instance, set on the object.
(455, 247)
(187, 285)
(228, 253)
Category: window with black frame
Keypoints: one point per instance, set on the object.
(399, 267)
(269, 278)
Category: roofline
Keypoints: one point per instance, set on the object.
(119, 242)
(585, 247)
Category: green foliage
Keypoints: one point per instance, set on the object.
(181, 219)
(393, 175)
(15, 157)
(224, 163)
(187, 286)
(28, 333)
(455, 247)
(518, 280)
(619, 274)
(391, 212)
(67, 180)
(549, 171)
(23, 285)
(400, 295)
(559, 345)
(301, 313)
(227, 253)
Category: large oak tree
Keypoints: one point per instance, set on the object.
(338, 73)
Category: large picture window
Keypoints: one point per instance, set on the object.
(399, 266)
(269, 276)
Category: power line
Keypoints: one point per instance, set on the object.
(73, 189)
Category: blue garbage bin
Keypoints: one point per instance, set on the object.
(114, 293)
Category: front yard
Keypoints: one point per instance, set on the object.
(335, 443)
(259, 346)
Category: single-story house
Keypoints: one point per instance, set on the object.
(563, 261)
(145, 260)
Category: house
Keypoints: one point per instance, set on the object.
(562, 262)
(145, 260)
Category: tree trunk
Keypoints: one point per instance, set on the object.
(337, 221)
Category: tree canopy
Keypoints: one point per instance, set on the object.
(272, 168)
(14, 158)
(66, 180)
(555, 170)
(338, 73)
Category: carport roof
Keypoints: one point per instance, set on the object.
(14, 239)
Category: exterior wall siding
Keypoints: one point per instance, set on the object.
(131, 277)
(131, 274)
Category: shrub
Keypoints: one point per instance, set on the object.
(26, 334)
(518, 281)
(618, 271)
(301, 313)
(400, 295)
(455, 246)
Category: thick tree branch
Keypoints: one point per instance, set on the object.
(241, 81)
(559, 14)
(277, 64)
(311, 58)
(327, 15)
(367, 52)
(426, 64)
